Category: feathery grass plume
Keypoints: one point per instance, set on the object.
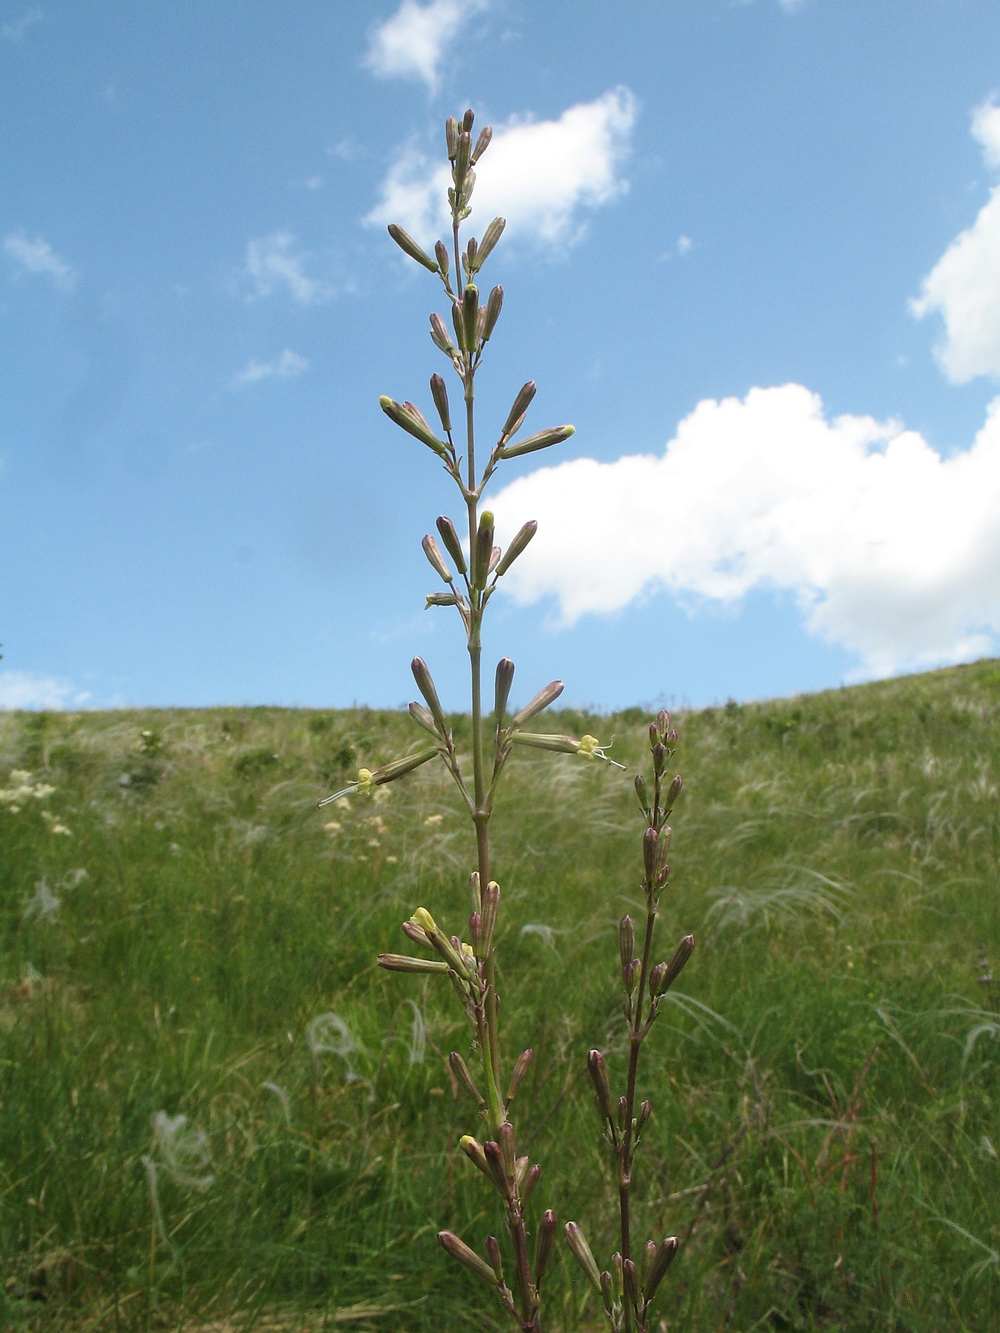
(470, 580)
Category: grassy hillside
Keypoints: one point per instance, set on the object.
(183, 933)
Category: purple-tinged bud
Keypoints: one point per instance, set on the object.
(517, 411)
(673, 969)
(656, 974)
(577, 1243)
(440, 599)
(441, 252)
(598, 1071)
(543, 1243)
(548, 695)
(482, 143)
(468, 120)
(406, 243)
(648, 1255)
(630, 1283)
(543, 440)
(441, 337)
(491, 235)
(470, 315)
(439, 393)
(616, 1272)
(519, 543)
(452, 544)
(663, 722)
(504, 680)
(463, 158)
(433, 553)
(458, 322)
(607, 1290)
(659, 757)
(520, 1172)
(483, 551)
(650, 853)
(507, 1151)
(494, 304)
(491, 905)
(642, 792)
(412, 420)
(665, 1252)
(518, 1073)
(674, 791)
(626, 939)
(398, 962)
(654, 735)
(498, 1174)
(471, 1260)
(423, 719)
(630, 974)
(469, 258)
(451, 137)
(645, 1111)
(495, 555)
(474, 892)
(621, 1112)
(461, 1071)
(417, 934)
(425, 685)
(530, 1181)
(495, 1258)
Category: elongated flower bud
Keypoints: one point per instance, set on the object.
(398, 962)
(463, 158)
(469, 258)
(598, 1071)
(461, 1071)
(423, 719)
(495, 1257)
(648, 1255)
(522, 539)
(411, 419)
(452, 544)
(451, 137)
(440, 599)
(425, 685)
(630, 1283)
(494, 304)
(530, 1181)
(482, 143)
(673, 969)
(537, 740)
(470, 316)
(460, 1251)
(626, 939)
(504, 680)
(439, 393)
(543, 440)
(577, 1242)
(517, 411)
(549, 694)
(518, 1072)
(674, 791)
(543, 1243)
(458, 323)
(491, 906)
(441, 254)
(441, 337)
(491, 235)
(406, 243)
(433, 553)
(650, 853)
(665, 1252)
(484, 550)
(642, 792)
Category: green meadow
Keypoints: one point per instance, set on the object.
(184, 934)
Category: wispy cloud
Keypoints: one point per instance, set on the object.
(275, 263)
(964, 285)
(22, 689)
(14, 31)
(36, 256)
(542, 175)
(413, 43)
(286, 366)
(890, 549)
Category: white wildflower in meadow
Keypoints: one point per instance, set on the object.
(22, 788)
(55, 826)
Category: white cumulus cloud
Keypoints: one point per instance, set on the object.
(540, 174)
(285, 366)
(35, 255)
(22, 689)
(891, 550)
(414, 41)
(275, 263)
(964, 285)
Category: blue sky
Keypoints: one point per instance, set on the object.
(753, 254)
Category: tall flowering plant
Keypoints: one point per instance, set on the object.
(469, 575)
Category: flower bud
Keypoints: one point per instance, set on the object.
(659, 757)
(504, 680)
(650, 853)
(507, 1151)
(518, 1073)
(468, 120)
(440, 599)
(415, 932)
(433, 553)
(543, 1243)
(452, 544)
(607, 1291)
(483, 550)
(642, 792)
(491, 905)
(469, 258)
(440, 336)
(463, 158)
(598, 1071)
(411, 419)
(425, 685)
(665, 1252)
(663, 723)
(630, 1283)
(543, 440)
(458, 322)
(482, 143)
(626, 939)
(530, 1181)
(423, 719)
(451, 137)
(577, 1242)
(495, 1258)
(497, 1170)
(398, 962)
(475, 893)
(491, 235)
(517, 411)
(648, 1255)
(645, 1111)
(439, 393)
(522, 539)
(674, 791)
(538, 740)
(470, 314)
(460, 1251)
(549, 694)
(494, 304)
(673, 969)
(406, 243)
(441, 253)
(461, 1071)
